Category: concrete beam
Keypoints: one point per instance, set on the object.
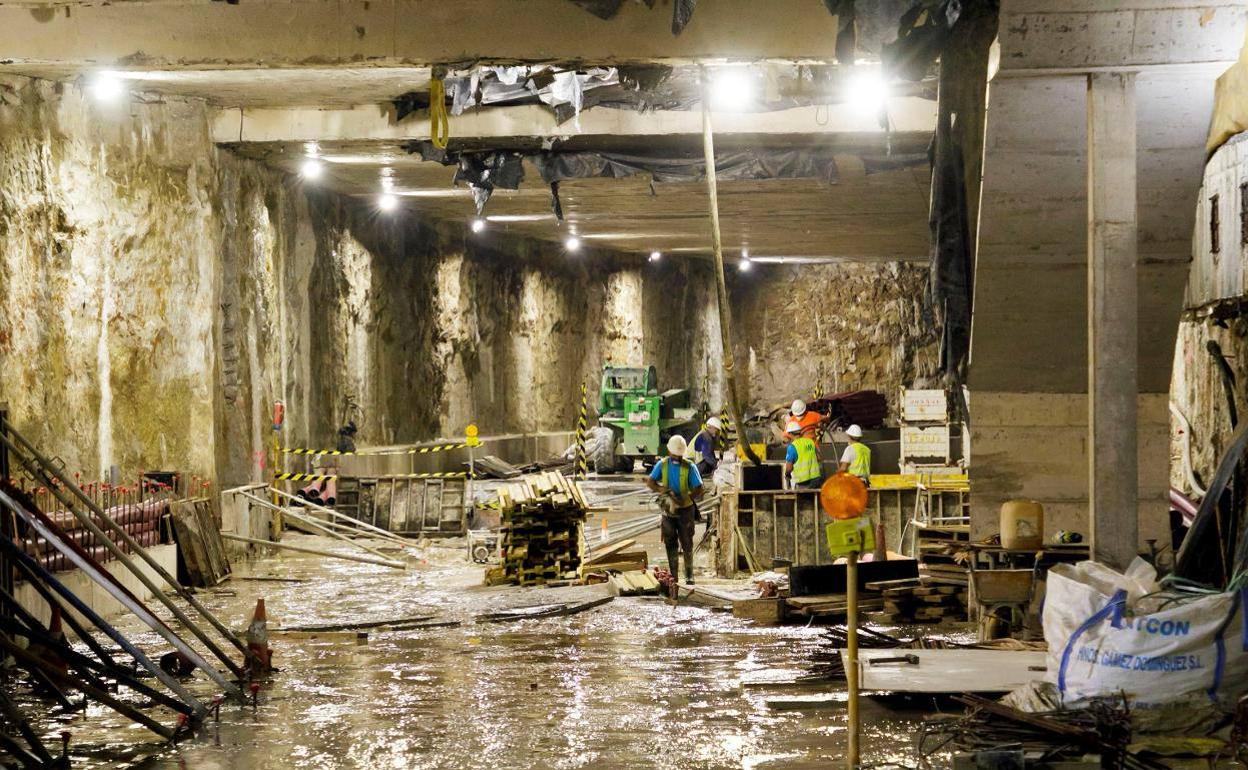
(1112, 319)
(374, 123)
(180, 34)
(1054, 36)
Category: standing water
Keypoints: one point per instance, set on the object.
(635, 683)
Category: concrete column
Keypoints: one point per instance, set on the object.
(1112, 319)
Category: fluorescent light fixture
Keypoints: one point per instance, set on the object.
(866, 92)
(387, 202)
(519, 217)
(732, 88)
(437, 192)
(572, 243)
(478, 224)
(106, 86)
(311, 169)
(655, 256)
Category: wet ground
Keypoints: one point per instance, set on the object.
(635, 683)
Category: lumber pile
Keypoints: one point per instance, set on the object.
(829, 605)
(634, 583)
(202, 562)
(624, 556)
(541, 531)
(919, 601)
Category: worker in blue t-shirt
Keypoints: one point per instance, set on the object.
(679, 485)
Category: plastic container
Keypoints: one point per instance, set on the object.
(1022, 524)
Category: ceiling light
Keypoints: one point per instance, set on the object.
(731, 89)
(867, 92)
(387, 202)
(478, 224)
(311, 169)
(745, 264)
(572, 243)
(655, 256)
(106, 86)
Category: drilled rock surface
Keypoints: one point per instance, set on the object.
(841, 327)
(161, 294)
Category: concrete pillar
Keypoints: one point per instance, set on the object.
(1112, 319)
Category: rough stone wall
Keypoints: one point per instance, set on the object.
(160, 294)
(107, 270)
(849, 326)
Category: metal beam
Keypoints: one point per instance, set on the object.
(189, 34)
(374, 123)
(1056, 36)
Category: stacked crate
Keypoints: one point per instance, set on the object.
(540, 536)
(919, 601)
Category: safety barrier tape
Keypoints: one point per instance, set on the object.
(315, 477)
(302, 477)
(418, 450)
(582, 463)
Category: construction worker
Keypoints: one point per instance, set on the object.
(679, 485)
(808, 420)
(856, 458)
(801, 459)
(705, 444)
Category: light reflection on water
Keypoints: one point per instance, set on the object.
(633, 684)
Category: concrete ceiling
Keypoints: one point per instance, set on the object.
(294, 77)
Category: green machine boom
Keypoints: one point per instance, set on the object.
(642, 418)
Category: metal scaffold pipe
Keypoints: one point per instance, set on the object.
(721, 287)
(40, 468)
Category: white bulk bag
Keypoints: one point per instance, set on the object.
(1108, 636)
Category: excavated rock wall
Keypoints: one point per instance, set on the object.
(850, 326)
(161, 294)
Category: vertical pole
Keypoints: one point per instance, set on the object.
(8, 523)
(851, 655)
(580, 470)
(1113, 466)
(721, 287)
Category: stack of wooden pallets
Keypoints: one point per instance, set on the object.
(919, 601)
(540, 534)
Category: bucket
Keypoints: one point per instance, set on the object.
(1022, 524)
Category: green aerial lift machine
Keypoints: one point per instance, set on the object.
(642, 418)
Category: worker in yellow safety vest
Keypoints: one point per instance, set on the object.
(801, 459)
(856, 459)
(679, 486)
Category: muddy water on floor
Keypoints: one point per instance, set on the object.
(632, 684)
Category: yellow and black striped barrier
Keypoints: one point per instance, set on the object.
(302, 477)
(316, 477)
(416, 450)
(581, 469)
(730, 429)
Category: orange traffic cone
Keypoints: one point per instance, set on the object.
(57, 632)
(259, 656)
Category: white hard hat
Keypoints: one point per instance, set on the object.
(799, 407)
(793, 427)
(676, 445)
(715, 423)
(854, 432)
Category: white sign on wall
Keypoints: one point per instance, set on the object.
(930, 442)
(924, 406)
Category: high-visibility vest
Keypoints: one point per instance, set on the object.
(806, 467)
(683, 497)
(861, 466)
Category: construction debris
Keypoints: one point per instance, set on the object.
(201, 550)
(542, 611)
(1101, 729)
(919, 601)
(540, 532)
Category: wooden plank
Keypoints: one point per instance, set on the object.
(765, 611)
(605, 554)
